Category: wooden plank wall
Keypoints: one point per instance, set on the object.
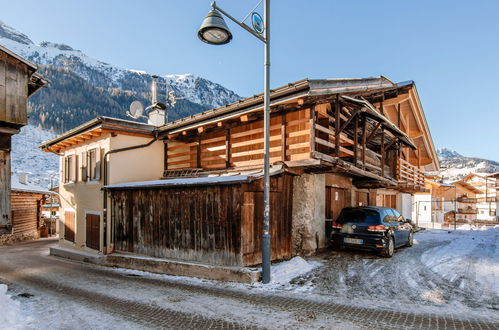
(281, 197)
(188, 223)
(5, 180)
(26, 211)
(203, 224)
(242, 144)
(13, 90)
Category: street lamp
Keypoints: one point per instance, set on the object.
(214, 31)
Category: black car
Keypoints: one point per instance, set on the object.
(371, 227)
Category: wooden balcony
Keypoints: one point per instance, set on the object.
(409, 174)
(467, 211)
(464, 199)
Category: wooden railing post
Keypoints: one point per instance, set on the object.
(312, 130)
(337, 123)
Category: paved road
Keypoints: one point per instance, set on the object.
(89, 296)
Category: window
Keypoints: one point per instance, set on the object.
(91, 165)
(70, 168)
(389, 216)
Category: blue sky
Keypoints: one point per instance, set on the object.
(450, 48)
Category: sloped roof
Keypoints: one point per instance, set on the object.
(29, 187)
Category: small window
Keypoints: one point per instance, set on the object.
(93, 164)
(70, 165)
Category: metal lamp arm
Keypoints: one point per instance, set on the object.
(241, 24)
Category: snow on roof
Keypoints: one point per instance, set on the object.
(199, 181)
(229, 177)
(29, 187)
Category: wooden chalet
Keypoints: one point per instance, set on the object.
(18, 81)
(333, 143)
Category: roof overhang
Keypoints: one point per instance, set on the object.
(94, 128)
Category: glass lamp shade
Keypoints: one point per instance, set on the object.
(214, 30)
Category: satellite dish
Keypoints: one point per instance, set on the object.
(136, 110)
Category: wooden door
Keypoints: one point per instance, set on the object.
(362, 198)
(69, 226)
(252, 226)
(93, 231)
(335, 202)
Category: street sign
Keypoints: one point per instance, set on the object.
(257, 22)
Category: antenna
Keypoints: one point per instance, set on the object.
(136, 110)
(157, 112)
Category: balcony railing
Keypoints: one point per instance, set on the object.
(408, 173)
(467, 211)
(463, 199)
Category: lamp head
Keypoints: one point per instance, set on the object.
(214, 30)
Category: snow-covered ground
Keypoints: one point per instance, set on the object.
(27, 157)
(10, 311)
(446, 273)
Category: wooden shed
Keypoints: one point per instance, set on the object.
(216, 220)
(26, 212)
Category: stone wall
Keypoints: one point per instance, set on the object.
(308, 233)
(9, 239)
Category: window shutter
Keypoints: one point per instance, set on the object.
(66, 169)
(75, 168)
(84, 173)
(97, 163)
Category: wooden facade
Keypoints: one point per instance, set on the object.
(326, 131)
(18, 81)
(213, 223)
(26, 212)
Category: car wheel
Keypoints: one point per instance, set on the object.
(389, 249)
(410, 241)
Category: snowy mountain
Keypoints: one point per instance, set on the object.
(455, 166)
(82, 88)
(110, 89)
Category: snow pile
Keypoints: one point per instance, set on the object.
(469, 261)
(284, 272)
(10, 315)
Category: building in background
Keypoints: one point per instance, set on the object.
(486, 200)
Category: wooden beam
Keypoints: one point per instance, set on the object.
(200, 129)
(283, 136)
(337, 124)
(355, 140)
(244, 118)
(373, 131)
(165, 148)
(220, 124)
(312, 129)
(227, 148)
(345, 124)
(382, 152)
(364, 123)
(198, 153)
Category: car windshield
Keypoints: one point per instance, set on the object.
(358, 215)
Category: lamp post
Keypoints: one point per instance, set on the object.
(215, 31)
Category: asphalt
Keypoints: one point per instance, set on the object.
(142, 301)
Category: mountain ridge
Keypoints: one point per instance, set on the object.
(108, 89)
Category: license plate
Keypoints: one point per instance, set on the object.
(353, 240)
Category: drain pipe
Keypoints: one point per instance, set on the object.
(106, 171)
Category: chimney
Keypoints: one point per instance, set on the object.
(23, 178)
